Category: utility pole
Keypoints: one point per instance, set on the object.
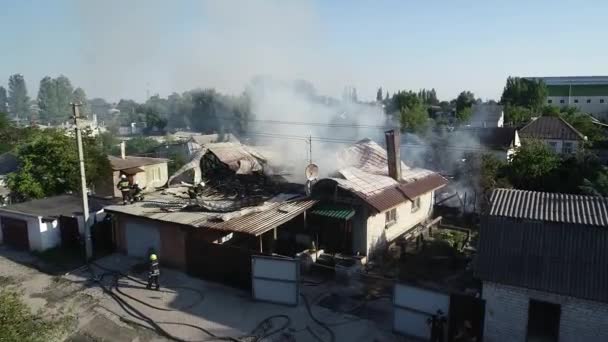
(83, 184)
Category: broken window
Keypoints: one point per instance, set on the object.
(543, 321)
(416, 204)
(390, 217)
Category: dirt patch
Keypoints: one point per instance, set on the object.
(6, 281)
(102, 329)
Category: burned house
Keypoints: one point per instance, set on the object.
(542, 260)
(212, 228)
(372, 199)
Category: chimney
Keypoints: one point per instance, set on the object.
(122, 150)
(393, 144)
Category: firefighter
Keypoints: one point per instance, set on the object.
(136, 192)
(154, 272)
(125, 188)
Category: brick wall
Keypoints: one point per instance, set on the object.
(506, 316)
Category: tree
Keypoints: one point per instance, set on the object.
(47, 99)
(49, 165)
(531, 165)
(18, 101)
(465, 100)
(3, 101)
(522, 92)
(100, 107)
(141, 145)
(64, 92)
(413, 119)
(79, 96)
(583, 123)
(379, 95)
(464, 115)
(598, 185)
(207, 111)
(517, 115)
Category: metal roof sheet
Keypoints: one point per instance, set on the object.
(423, 185)
(335, 211)
(543, 206)
(564, 258)
(549, 127)
(130, 162)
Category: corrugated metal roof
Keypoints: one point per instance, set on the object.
(564, 258)
(543, 206)
(367, 156)
(239, 158)
(387, 199)
(258, 223)
(130, 162)
(335, 211)
(549, 127)
(53, 207)
(422, 186)
(253, 220)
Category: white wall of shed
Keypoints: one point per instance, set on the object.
(378, 236)
(40, 235)
(506, 317)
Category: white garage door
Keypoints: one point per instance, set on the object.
(275, 279)
(413, 306)
(140, 238)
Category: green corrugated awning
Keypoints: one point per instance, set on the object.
(334, 211)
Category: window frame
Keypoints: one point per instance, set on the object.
(416, 204)
(569, 146)
(390, 217)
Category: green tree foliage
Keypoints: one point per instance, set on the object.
(3, 101)
(18, 324)
(550, 111)
(11, 136)
(100, 107)
(18, 101)
(465, 100)
(517, 115)
(49, 165)
(464, 115)
(584, 124)
(596, 185)
(414, 119)
(214, 113)
(54, 98)
(524, 93)
(140, 146)
(428, 97)
(531, 166)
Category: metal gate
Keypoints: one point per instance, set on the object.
(141, 238)
(413, 306)
(275, 279)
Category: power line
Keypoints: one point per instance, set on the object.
(350, 141)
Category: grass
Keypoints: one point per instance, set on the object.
(18, 323)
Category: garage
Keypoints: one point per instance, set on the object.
(141, 238)
(14, 233)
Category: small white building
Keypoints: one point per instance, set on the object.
(542, 261)
(41, 224)
(556, 133)
(486, 115)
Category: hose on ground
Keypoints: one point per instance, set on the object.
(259, 333)
(332, 336)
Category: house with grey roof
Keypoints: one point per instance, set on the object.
(486, 115)
(556, 133)
(542, 259)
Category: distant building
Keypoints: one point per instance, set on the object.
(501, 142)
(149, 173)
(486, 115)
(542, 260)
(559, 135)
(587, 93)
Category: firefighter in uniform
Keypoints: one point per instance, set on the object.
(154, 272)
(125, 188)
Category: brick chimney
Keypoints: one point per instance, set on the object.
(393, 151)
(122, 150)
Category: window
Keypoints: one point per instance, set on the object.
(553, 146)
(390, 217)
(601, 100)
(567, 147)
(416, 204)
(543, 321)
(588, 100)
(575, 100)
(562, 101)
(549, 101)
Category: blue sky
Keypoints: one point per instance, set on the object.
(121, 49)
